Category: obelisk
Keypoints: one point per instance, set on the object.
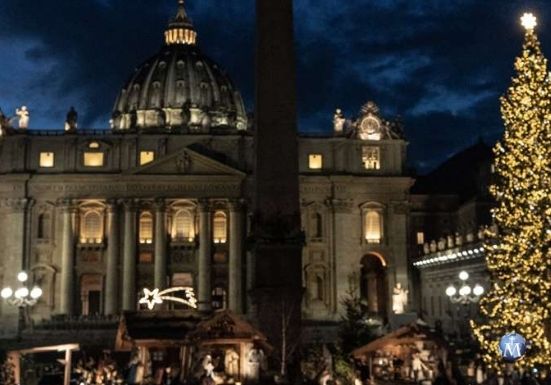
(277, 236)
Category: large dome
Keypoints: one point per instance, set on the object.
(179, 88)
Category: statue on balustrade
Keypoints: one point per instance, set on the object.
(24, 117)
(4, 122)
(442, 244)
(71, 120)
(339, 121)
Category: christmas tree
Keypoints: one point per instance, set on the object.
(518, 253)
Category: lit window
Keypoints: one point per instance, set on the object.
(91, 228)
(315, 161)
(220, 232)
(420, 237)
(47, 159)
(146, 157)
(371, 158)
(182, 227)
(146, 228)
(93, 159)
(93, 145)
(373, 226)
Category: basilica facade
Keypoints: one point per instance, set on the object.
(163, 199)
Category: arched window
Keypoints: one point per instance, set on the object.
(182, 228)
(44, 223)
(146, 228)
(91, 230)
(373, 226)
(220, 227)
(316, 230)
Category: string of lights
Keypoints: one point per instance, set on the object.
(519, 257)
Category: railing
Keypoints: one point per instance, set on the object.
(91, 322)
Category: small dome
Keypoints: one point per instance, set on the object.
(179, 87)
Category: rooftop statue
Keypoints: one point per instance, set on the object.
(71, 120)
(4, 122)
(339, 121)
(23, 115)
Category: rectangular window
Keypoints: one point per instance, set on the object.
(93, 159)
(146, 157)
(47, 159)
(371, 157)
(220, 227)
(146, 257)
(182, 280)
(315, 161)
(146, 228)
(420, 237)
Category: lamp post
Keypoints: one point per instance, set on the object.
(22, 297)
(465, 296)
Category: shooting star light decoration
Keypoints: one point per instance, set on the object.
(156, 297)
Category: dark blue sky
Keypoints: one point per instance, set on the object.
(441, 64)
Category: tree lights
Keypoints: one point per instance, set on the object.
(519, 255)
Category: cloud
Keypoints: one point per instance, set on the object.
(441, 63)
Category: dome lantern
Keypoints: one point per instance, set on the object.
(180, 29)
(179, 89)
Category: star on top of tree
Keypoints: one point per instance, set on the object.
(529, 21)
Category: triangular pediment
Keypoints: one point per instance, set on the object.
(186, 162)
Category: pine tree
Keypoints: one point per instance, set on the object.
(518, 253)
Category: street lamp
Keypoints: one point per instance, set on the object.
(465, 294)
(24, 295)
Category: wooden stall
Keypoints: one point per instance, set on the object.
(411, 353)
(221, 345)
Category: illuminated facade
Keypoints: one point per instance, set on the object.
(163, 199)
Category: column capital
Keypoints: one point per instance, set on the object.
(340, 205)
(67, 205)
(204, 205)
(111, 206)
(18, 204)
(129, 204)
(236, 205)
(159, 205)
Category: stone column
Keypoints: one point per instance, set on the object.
(67, 289)
(160, 245)
(204, 291)
(129, 257)
(235, 274)
(112, 256)
(12, 241)
(251, 269)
